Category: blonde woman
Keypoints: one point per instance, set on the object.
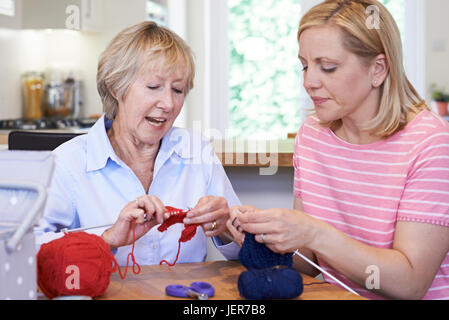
(371, 187)
(133, 162)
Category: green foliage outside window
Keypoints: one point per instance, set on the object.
(264, 78)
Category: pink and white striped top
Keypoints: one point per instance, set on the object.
(362, 190)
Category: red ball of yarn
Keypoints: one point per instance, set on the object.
(76, 264)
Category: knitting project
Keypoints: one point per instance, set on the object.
(177, 216)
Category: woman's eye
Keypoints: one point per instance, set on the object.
(178, 91)
(304, 69)
(329, 69)
(152, 87)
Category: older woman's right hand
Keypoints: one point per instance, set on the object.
(148, 211)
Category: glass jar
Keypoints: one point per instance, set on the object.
(32, 94)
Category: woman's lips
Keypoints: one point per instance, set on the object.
(155, 122)
(319, 101)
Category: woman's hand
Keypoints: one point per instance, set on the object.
(282, 230)
(148, 211)
(211, 213)
(234, 224)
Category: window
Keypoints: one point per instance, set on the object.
(264, 68)
(266, 94)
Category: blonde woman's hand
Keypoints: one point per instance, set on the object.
(234, 225)
(281, 230)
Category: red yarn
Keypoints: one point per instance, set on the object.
(177, 216)
(78, 264)
(131, 254)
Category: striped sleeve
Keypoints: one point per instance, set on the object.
(426, 193)
(296, 165)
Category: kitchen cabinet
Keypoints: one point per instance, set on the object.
(85, 15)
(10, 16)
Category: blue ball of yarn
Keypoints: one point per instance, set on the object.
(269, 274)
(270, 283)
(255, 255)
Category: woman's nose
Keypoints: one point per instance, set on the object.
(166, 101)
(311, 80)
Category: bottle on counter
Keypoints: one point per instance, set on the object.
(32, 93)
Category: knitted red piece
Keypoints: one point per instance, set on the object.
(177, 216)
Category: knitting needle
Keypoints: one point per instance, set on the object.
(327, 273)
(225, 234)
(85, 228)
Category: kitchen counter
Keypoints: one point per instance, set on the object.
(3, 138)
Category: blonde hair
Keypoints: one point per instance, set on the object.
(135, 49)
(398, 96)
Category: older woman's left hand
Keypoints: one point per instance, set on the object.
(211, 213)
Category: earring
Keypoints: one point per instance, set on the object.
(375, 82)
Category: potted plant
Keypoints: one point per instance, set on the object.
(440, 99)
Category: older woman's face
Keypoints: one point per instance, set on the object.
(337, 80)
(152, 103)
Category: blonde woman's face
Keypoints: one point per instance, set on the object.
(152, 103)
(338, 82)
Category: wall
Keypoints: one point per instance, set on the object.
(437, 43)
(10, 68)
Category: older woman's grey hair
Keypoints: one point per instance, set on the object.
(138, 49)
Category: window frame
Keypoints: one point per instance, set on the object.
(415, 44)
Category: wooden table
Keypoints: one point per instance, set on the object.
(151, 282)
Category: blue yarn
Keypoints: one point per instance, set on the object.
(255, 255)
(270, 283)
(269, 275)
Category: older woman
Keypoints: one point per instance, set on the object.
(133, 162)
(371, 164)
